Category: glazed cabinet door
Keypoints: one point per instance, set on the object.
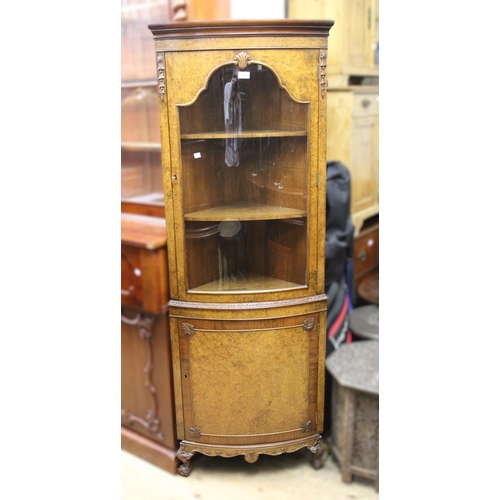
(247, 382)
(243, 194)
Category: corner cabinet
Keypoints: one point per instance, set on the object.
(242, 120)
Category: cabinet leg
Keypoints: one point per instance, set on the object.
(184, 456)
(184, 468)
(318, 451)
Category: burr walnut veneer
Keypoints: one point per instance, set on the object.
(242, 108)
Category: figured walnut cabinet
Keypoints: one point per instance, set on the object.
(242, 119)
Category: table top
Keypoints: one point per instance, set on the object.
(355, 365)
(368, 289)
(363, 322)
(143, 231)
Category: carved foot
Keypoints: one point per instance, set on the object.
(319, 454)
(184, 456)
(184, 468)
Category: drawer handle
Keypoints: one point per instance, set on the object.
(362, 255)
(365, 103)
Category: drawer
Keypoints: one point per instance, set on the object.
(365, 104)
(366, 251)
(144, 281)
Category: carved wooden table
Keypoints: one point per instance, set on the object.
(355, 402)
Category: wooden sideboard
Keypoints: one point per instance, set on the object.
(147, 414)
(366, 257)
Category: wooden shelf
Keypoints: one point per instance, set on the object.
(247, 134)
(246, 282)
(245, 211)
(141, 146)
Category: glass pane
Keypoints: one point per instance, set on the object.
(244, 168)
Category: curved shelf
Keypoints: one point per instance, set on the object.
(245, 211)
(248, 283)
(247, 134)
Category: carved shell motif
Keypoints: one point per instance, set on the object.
(242, 60)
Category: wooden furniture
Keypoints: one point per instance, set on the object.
(366, 261)
(364, 322)
(142, 185)
(148, 425)
(353, 124)
(353, 45)
(353, 110)
(147, 393)
(242, 115)
(355, 408)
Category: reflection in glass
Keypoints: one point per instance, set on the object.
(232, 118)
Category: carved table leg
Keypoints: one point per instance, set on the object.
(348, 437)
(184, 468)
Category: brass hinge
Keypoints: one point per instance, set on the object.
(317, 178)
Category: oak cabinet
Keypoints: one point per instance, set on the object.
(353, 45)
(242, 108)
(353, 123)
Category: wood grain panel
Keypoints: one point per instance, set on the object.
(251, 382)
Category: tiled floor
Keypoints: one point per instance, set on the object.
(284, 477)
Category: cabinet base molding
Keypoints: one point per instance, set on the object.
(149, 450)
(251, 453)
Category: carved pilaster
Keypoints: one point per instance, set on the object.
(145, 324)
(322, 73)
(160, 68)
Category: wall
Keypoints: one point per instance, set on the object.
(258, 9)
